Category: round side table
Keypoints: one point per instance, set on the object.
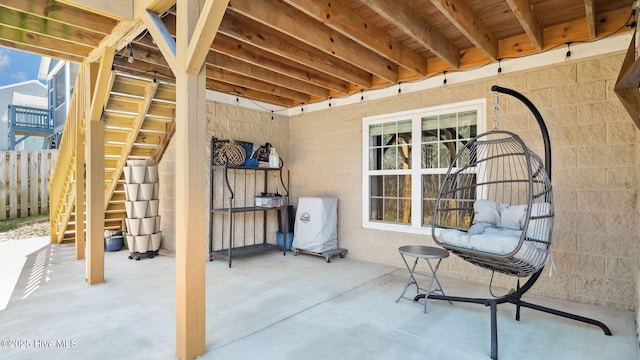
(427, 253)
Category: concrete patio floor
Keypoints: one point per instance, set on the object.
(273, 307)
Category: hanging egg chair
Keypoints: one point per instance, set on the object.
(495, 206)
(495, 210)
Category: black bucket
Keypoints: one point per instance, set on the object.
(286, 218)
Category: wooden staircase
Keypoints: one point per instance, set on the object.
(139, 121)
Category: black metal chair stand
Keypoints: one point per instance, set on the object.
(528, 186)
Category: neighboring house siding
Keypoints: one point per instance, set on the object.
(32, 87)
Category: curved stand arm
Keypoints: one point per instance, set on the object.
(541, 124)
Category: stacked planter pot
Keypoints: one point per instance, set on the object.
(143, 222)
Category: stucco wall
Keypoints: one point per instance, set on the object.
(229, 123)
(595, 174)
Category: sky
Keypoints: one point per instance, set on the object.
(17, 66)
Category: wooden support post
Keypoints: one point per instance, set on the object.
(99, 81)
(190, 219)
(79, 162)
(190, 175)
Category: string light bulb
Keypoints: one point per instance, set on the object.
(130, 59)
(568, 54)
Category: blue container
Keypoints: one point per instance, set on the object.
(280, 239)
(113, 243)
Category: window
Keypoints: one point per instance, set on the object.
(405, 156)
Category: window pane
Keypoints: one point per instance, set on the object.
(375, 158)
(375, 132)
(467, 124)
(463, 155)
(375, 185)
(429, 156)
(447, 154)
(429, 129)
(448, 126)
(404, 186)
(404, 157)
(375, 209)
(391, 210)
(404, 131)
(430, 186)
(430, 190)
(428, 207)
(389, 161)
(390, 186)
(60, 87)
(404, 213)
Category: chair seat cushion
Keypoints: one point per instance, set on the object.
(493, 240)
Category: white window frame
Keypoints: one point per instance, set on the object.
(416, 172)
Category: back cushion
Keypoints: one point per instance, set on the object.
(512, 216)
(486, 211)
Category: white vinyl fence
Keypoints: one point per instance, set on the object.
(24, 182)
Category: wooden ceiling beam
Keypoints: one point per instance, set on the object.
(523, 10)
(409, 22)
(144, 69)
(43, 42)
(122, 34)
(240, 28)
(590, 12)
(54, 10)
(572, 31)
(248, 82)
(162, 37)
(249, 93)
(119, 9)
(31, 23)
(315, 83)
(149, 55)
(39, 51)
(463, 17)
(204, 33)
(280, 62)
(289, 21)
(338, 17)
(229, 63)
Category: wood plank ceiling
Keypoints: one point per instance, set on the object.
(294, 52)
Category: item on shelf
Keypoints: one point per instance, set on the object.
(274, 158)
(268, 200)
(233, 154)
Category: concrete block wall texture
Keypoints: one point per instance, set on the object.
(596, 168)
(226, 122)
(595, 174)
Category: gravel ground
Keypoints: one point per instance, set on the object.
(27, 230)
